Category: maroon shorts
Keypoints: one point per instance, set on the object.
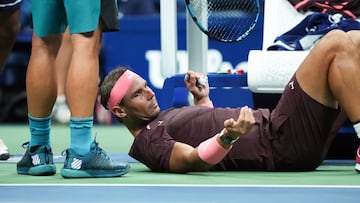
(302, 130)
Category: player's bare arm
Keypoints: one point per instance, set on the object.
(185, 158)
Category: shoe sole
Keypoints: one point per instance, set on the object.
(71, 173)
(42, 170)
(4, 157)
(357, 167)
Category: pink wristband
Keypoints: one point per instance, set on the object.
(210, 151)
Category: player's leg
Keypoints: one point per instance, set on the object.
(83, 73)
(81, 91)
(61, 112)
(330, 74)
(355, 38)
(41, 86)
(9, 29)
(307, 119)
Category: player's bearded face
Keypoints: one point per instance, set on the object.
(144, 113)
(143, 105)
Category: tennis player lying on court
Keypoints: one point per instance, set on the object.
(295, 136)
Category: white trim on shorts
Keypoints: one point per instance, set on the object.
(10, 4)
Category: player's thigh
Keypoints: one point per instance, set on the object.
(83, 15)
(313, 72)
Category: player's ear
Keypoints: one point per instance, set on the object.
(118, 111)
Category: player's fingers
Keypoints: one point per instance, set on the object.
(242, 115)
(229, 123)
(249, 116)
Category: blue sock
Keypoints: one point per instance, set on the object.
(39, 130)
(80, 133)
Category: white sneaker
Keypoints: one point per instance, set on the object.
(61, 111)
(4, 152)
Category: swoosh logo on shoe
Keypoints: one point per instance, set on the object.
(291, 85)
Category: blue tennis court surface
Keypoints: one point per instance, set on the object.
(178, 193)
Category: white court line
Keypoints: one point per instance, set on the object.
(185, 185)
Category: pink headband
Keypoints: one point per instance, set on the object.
(120, 88)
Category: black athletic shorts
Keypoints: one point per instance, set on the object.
(302, 130)
(109, 15)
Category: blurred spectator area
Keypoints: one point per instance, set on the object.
(136, 7)
(145, 7)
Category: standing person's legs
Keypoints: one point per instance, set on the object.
(41, 86)
(81, 87)
(83, 74)
(41, 89)
(9, 29)
(82, 77)
(61, 112)
(84, 158)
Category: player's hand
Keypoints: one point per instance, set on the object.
(197, 87)
(242, 125)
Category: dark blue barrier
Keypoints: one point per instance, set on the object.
(226, 90)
